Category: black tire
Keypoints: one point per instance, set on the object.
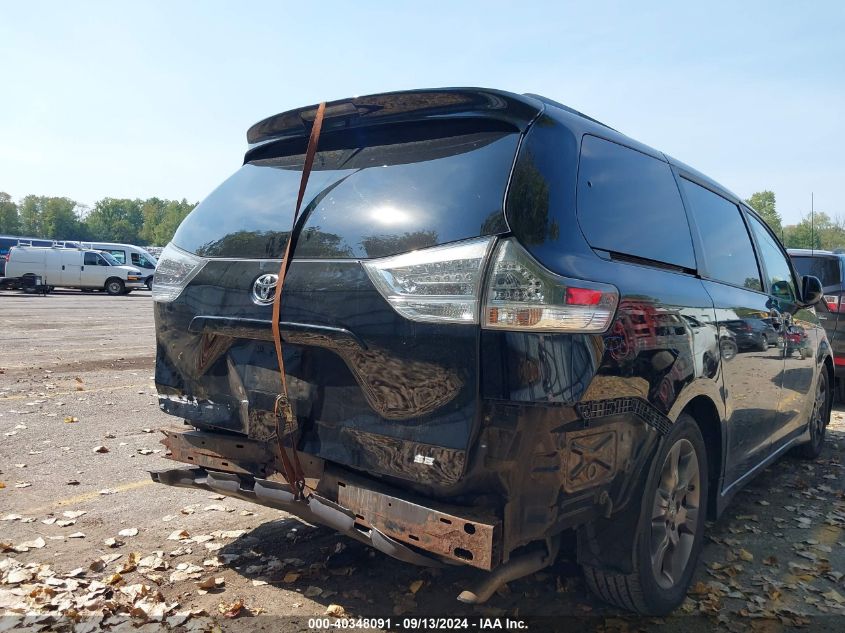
(763, 345)
(127, 292)
(644, 591)
(114, 286)
(149, 283)
(817, 424)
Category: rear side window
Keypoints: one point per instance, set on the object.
(629, 203)
(825, 268)
(378, 197)
(727, 247)
(118, 255)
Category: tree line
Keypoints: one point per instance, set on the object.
(147, 222)
(815, 230)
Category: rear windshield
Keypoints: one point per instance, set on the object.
(825, 268)
(367, 201)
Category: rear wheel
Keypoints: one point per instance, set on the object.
(114, 287)
(818, 421)
(149, 283)
(670, 530)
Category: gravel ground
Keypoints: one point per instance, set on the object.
(83, 530)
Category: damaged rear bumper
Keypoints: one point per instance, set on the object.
(412, 530)
(316, 509)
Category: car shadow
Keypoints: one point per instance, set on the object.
(330, 569)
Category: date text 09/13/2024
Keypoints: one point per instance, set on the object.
(417, 623)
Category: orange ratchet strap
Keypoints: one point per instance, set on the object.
(284, 412)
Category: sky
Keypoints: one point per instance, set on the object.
(142, 99)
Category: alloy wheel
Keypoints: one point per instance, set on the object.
(817, 420)
(674, 516)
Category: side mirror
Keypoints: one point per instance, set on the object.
(811, 290)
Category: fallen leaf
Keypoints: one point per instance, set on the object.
(69, 419)
(74, 514)
(212, 582)
(834, 596)
(312, 592)
(258, 583)
(101, 449)
(76, 535)
(232, 609)
(291, 576)
(335, 610)
(113, 579)
(178, 535)
(113, 542)
(745, 555)
(128, 532)
(416, 586)
(37, 543)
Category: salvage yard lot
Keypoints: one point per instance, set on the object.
(78, 433)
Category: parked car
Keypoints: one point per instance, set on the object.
(753, 333)
(130, 255)
(484, 340)
(828, 267)
(73, 268)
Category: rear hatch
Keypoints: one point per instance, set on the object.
(371, 388)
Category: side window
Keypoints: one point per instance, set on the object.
(136, 259)
(781, 284)
(119, 256)
(628, 203)
(727, 245)
(92, 259)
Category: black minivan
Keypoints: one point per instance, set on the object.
(502, 320)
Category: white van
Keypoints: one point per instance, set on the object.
(129, 254)
(74, 268)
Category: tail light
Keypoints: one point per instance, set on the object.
(444, 283)
(440, 284)
(834, 303)
(176, 268)
(522, 295)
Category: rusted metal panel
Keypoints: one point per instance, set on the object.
(468, 540)
(232, 454)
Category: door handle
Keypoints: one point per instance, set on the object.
(82, 268)
(63, 267)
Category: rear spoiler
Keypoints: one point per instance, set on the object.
(397, 107)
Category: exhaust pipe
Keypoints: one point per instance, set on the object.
(516, 567)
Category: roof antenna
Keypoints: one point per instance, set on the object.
(812, 226)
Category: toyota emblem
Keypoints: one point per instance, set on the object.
(264, 289)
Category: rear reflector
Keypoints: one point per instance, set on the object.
(839, 360)
(522, 295)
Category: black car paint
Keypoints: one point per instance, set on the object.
(497, 412)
